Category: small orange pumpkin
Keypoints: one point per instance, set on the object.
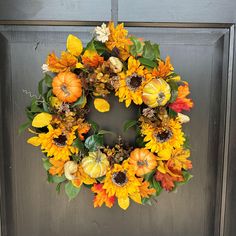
(143, 161)
(67, 86)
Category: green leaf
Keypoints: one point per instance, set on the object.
(187, 176)
(149, 176)
(172, 113)
(100, 179)
(157, 186)
(35, 107)
(186, 144)
(79, 144)
(137, 47)
(29, 114)
(100, 47)
(71, 190)
(48, 95)
(46, 164)
(148, 52)
(48, 80)
(146, 201)
(147, 62)
(94, 125)
(102, 132)
(128, 124)
(40, 86)
(139, 142)
(94, 142)
(56, 179)
(58, 188)
(45, 106)
(80, 101)
(156, 50)
(174, 91)
(91, 46)
(24, 127)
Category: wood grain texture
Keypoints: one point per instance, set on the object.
(214, 11)
(80, 10)
(35, 209)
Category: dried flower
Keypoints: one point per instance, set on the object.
(102, 33)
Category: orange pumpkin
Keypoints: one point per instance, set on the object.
(143, 161)
(67, 86)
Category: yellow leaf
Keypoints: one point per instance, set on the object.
(41, 120)
(35, 141)
(123, 203)
(74, 45)
(101, 105)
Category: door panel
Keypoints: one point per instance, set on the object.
(204, 11)
(73, 10)
(34, 208)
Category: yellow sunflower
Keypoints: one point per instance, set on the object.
(56, 142)
(120, 181)
(131, 83)
(165, 136)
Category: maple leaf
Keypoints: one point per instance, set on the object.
(167, 181)
(65, 63)
(101, 196)
(57, 167)
(145, 191)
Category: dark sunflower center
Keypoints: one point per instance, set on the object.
(60, 141)
(164, 136)
(119, 178)
(134, 81)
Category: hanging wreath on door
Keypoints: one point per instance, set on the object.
(75, 155)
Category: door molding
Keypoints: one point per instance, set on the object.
(229, 100)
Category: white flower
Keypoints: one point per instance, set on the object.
(45, 68)
(102, 33)
(70, 169)
(183, 118)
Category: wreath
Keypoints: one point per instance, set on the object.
(75, 155)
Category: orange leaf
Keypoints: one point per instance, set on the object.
(101, 196)
(167, 181)
(145, 191)
(57, 167)
(164, 68)
(66, 62)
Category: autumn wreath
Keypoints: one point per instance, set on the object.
(75, 155)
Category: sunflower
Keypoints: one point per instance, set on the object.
(56, 142)
(131, 83)
(164, 136)
(120, 181)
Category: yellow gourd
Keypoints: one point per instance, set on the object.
(95, 164)
(156, 93)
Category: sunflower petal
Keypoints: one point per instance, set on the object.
(35, 141)
(123, 203)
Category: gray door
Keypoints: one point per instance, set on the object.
(199, 37)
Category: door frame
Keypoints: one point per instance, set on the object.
(229, 129)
